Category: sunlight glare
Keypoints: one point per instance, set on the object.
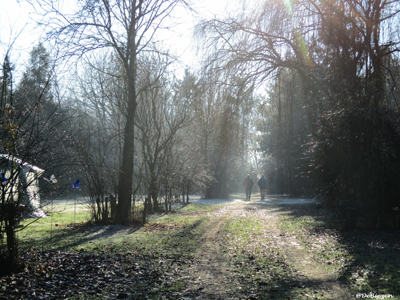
(288, 5)
(298, 35)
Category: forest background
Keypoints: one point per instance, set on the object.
(304, 92)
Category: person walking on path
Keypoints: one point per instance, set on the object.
(262, 184)
(248, 184)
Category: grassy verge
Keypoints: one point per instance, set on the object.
(364, 260)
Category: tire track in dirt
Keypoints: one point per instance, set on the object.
(208, 276)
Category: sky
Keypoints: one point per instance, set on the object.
(18, 28)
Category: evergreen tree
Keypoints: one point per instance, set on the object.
(6, 85)
(35, 86)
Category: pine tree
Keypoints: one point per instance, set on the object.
(34, 88)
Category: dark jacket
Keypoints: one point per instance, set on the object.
(262, 183)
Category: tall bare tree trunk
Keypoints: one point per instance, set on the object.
(126, 168)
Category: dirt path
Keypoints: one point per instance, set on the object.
(208, 277)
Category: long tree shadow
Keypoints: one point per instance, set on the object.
(186, 237)
(74, 235)
(144, 272)
(66, 236)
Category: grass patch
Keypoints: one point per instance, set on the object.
(196, 208)
(60, 229)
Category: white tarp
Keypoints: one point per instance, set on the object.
(19, 173)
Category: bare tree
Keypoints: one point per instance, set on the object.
(98, 106)
(161, 114)
(127, 27)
